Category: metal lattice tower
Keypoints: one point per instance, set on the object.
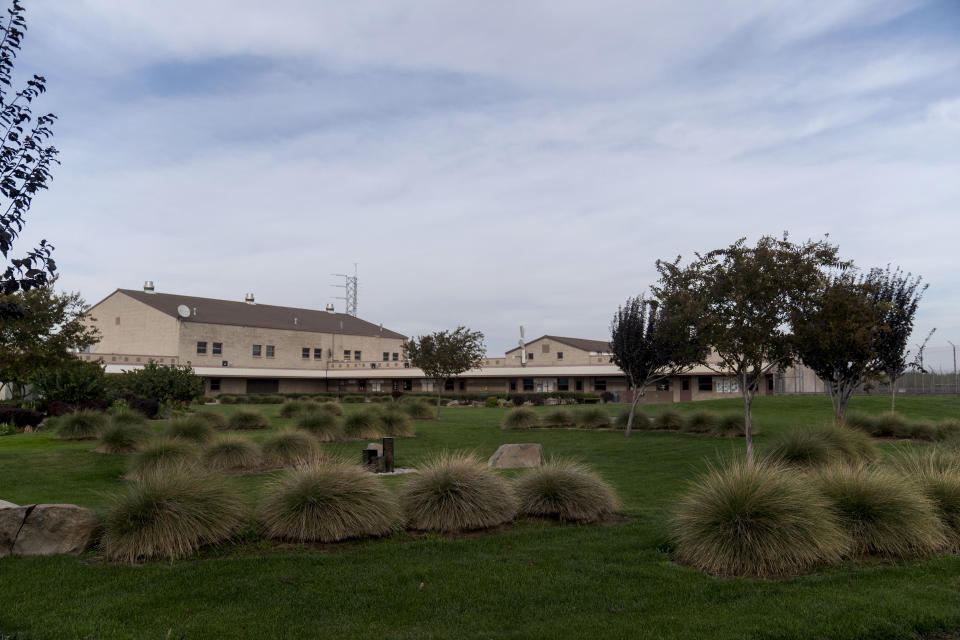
(349, 291)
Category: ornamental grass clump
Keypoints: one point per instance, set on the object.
(948, 429)
(892, 425)
(189, 427)
(214, 418)
(641, 420)
(702, 422)
(327, 503)
(363, 424)
(331, 407)
(731, 425)
(558, 417)
(82, 425)
(669, 420)
(396, 423)
(816, 447)
(248, 419)
(454, 493)
(232, 454)
(564, 490)
(592, 417)
(883, 513)
(762, 521)
(860, 421)
(923, 430)
(291, 448)
(520, 418)
(323, 425)
(122, 437)
(296, 408)
(170, 515)
(938, 476)
(163, 455)
(123, 414)
(419, 410)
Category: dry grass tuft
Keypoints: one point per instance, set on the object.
(558, 417)
(565, 490)
(191, 427)
(82, 425)
(162, 456)
(290, 448)
(593, 417)
(324, 425)
(123, 437)
(363, 423)
(521, 418)
(248, 419)
(232, 454)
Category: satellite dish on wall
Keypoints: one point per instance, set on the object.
(184, 311)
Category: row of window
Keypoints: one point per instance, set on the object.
(559, 354)
(216, 348)
(563, 384)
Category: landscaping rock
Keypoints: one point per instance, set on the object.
(453, 403)
(7, 505)
(551, 402)
(376, 446)
(11, 518)
(55, 528)
(517, 456)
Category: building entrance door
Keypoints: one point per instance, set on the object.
(686, 395)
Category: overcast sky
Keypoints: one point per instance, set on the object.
(491, 163)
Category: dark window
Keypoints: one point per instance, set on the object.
(530, 356)
(704, 383)
(600, 384)
(578, 385)
(408, 385)
(256, 350)
(685, 384)
(214, 384)
(217, 348)
(559, 355)
(346, 355)
(262, 385)
(386, 356)
(463, 385)
(396, 356)
(563, 384)
(448, 385)
(356, 356)
(317, 353)
(528, 384)
(305, 353)
(769, 383)
(201, 347)
(513, 385)
(361, 385)
(663, 385)
(271, 350)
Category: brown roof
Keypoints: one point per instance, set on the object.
(212, 311)
(599, 346)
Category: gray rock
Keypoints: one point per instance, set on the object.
(56, 528)
(11, 519)
(376, 446)
(517, 456)
(551, 401)
(7, 505)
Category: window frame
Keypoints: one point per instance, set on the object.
(257, 351)
(271, 351)
(304, 353)
(201, 347)
(216, 348)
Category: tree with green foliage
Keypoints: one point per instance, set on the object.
(446, 354)
(44, 336)
(835, 330)
(75, 382)
(25, 162)
(164, 383)
(651, 341)
(745, 295)
(898, 295)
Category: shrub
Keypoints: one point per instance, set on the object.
(170, 516)
(332, 407)
(703, 422)
(82, 425)
(948, 429)
(811, 447)
(122, 437)
(272, 398)
(419, 410)
(231, 453)
(517, 400)
(396, 423)
(248, 419)
(668, 419)
(732, 425)
(492, 402)
(564, 490)
(606, 396)
(640, 420)
(327, 503)
(225, 398)
(764, 520)
(124, 414)
(363, 424)
(456, 493)
(891, 425)
(76, 382)
(353, 399)
(938, 476)
(147, 406)
(20, 417)
(923, 430)
(163, 382)
(189, 427)
(861, 421)
(163, 456)
(214, 418)
(592, 418)
(520, 418)
(295, 408)
(558, 417)
(291, 448)
(883, 514)
(324, 425)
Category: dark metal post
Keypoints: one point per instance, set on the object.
(388, 454)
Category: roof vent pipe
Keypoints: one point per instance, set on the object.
(249, 299)
(329, 307)
(148, 287)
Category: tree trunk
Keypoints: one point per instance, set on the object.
(439, 392)
(637, 394)
(893, 395)
(747, 420)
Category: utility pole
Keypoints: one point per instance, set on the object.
(350, 291)
(956, 379)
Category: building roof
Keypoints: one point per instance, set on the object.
(213, 311)
(594, 346)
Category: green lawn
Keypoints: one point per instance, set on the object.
(529, 579)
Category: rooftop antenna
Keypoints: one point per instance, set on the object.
(350, 290)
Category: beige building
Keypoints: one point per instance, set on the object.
(247, 347)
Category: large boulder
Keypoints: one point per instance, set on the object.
(7, 505)
(54, 528)
(11, 519)
(517, 456)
